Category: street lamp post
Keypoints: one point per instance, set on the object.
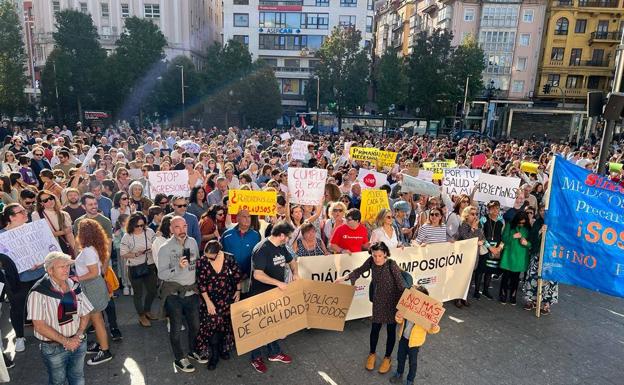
(181, 67)
(318, 101)
(464, 112)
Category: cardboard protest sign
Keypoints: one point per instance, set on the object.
(347, 149)
(438, 167)
(418, 186)
(386, 158)
(256, 202)
(499, 188)
(364, 153)
(371, 179)
(528, 167)
(459, 180)
(299, 149)
(28, 245)
(425, 175)
(478, 161)
(420, 308)
(306, 186)
(615, 167)
(285, 136)
(88, 157)
(269, 316)
(372, 202)
(169, 183)
(327, 304)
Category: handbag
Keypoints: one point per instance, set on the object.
(142, 269)
(65, 246)
(112, 282)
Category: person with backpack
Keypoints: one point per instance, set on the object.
(387, 285)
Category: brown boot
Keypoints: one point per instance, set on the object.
(386, 364)
(370, 362)
(144, 321)
(151, 316)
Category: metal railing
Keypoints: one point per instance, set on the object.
(600, 35)
(599, 3)
(556, 63)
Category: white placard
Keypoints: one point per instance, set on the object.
(285, 136)
(299, 149)
(28, 244)
(418, 186)
(135, 173)
(306, 186)
(425, 175)
(459, 181)
(169, 183)
(499, 188)
(371, 179)
(88, 157)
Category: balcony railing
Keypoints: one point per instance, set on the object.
(556, 63)
(589, 63)
(292, 69)
(498, 69)
(599, 3)
(563, 3)
(600, 36)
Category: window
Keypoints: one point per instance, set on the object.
(521, 64)
(369, 5)
(56, 6)
(525, 39)
(241, 20)
(270, 61)
(553, 80)
(291, 87)
(580, 26)
(346, 20)
(369, 24)
(105, 10)
(561, 27)
(125, 10)
(289, 42)
(593, 82)
(241, 2)
(281, 19)
(557, 53)
(322, 3)
(517, 86)
(469, 14)
(348, 3)
(293, 63)
(152, 11)
(242, 39)
(574, 81)
(575, 56)
(315, 20)
(84, 8)
(527, 16)
(500, 16)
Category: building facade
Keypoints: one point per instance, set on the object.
(190, 26)
(578, 53)
(287, 33)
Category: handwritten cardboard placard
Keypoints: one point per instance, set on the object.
(459, 180)
(173, 182)
(615, 167)
(347, 148)
(371, 179)
(88, 157)
(255, 202)
(418, 186)
(499, 188)
(269, 316)
(478, 161)
(438, 167)
(364, 154)
(306, 186)
(372, 202)
(299, 149)
(420, 308)
(386, 158)
(327, 304)
(28, 245)
(285, 136)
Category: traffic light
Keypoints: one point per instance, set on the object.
(546, 88)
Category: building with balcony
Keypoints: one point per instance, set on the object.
(579, 47)
(190, 26)
(287, 33)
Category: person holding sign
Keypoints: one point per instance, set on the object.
(412, 338)
(386, 289)
(270, 259)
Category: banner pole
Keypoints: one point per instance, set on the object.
(538, 307)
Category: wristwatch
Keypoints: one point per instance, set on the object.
(81, 336)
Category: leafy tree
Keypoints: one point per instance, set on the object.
(342, 71)
(389, 81)
(468, 61)
(261, 103)
(12, 61)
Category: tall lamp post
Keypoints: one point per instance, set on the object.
(464, 111)
(318, 100)
(181, 67)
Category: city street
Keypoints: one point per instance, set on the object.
(580, 342)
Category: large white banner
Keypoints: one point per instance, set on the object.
(299, 149)
(28, 244)
(306, 186)
(459, 181)
(371, 179)
(445, 269)
(169, 183)
(498, 188)
(418, 186)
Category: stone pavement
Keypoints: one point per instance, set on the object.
(580, 342)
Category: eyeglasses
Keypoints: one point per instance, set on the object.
(38, 154)
(140, 225)
(388, 216)
(435, 214)
(19, 212)
(124, 198)
(46, 200)
(180, 206)
(29, 203)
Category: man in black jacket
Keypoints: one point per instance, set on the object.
(38, 163)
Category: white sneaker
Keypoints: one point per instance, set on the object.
(131, 291)
(168, 325)
(20, 344)
(126, 290)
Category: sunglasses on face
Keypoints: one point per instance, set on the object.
(163, 203)
(124, 198)
(337, 210)
(46, 200)
(38, 154)
(29, 203)
(180, 206)
(140, 225)
(435, 214)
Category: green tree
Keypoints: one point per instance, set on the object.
(468, 61)
(261, 103)
(343, 72)
(79, 60)
(12, 61)
(389, 81)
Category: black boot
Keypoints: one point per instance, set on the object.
(214, 357)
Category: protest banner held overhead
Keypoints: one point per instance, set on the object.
(299, 149)
(306, 186)
(584, 243)
(28, 244)
(498, 188)
(364, 154)
(478, 161)
(255, 202)
(459, 180)
(438, 167)
(327, 304)
(386, 158)
(418, 186)
(529, 167)
(88, 157)
(420, 308)
(169, 183)
(372, 202)
(370, 179)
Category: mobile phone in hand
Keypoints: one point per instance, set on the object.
(186, 253)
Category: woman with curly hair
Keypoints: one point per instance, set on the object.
(90, 265)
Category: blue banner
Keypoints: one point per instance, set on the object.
(585, 238)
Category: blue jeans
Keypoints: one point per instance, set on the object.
(64, 365)
(272, 347)
(178, 309)
(402, 354)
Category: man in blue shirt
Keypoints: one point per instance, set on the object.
(179, 205)
(104, 204)
(240, 241)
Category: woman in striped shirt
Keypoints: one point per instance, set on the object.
(433, 231)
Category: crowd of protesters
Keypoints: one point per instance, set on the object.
(198, 259)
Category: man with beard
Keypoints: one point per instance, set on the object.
(73, 207)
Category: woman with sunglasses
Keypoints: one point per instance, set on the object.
(453, 221)
(212, 224)
(385, 230)
(122, 179)
(468, 229)
(136, 250)
(336, 218)
(121, 205)
(49, 208)
(433, 231)
(515, 258)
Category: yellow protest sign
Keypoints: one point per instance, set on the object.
(438, 167)
(386, 158)
(529, 167)
(364, 153)
(615, 167)
(372, 202)
(256, 202)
